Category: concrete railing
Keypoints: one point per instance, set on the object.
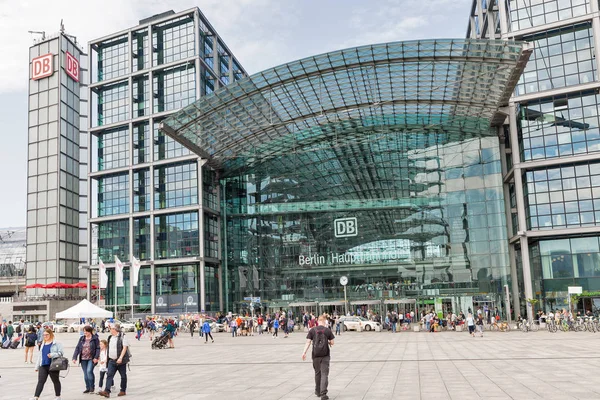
(6, 299)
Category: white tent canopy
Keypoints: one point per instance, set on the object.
(84, 309)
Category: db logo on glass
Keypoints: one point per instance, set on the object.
(42, 66)
(345, 227)
(72, 67)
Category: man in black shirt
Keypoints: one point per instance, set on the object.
(321, 338)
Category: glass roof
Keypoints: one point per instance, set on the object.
(433, 91)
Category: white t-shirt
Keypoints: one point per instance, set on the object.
(470, 321)
(112, 346)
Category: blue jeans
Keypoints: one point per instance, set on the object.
(393, 327)
(88, 374)
(233, 331)
(428, 326)
(113, 367)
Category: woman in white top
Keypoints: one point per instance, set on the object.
(471, 324)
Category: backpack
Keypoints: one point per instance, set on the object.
(320, 343)
(18, 330)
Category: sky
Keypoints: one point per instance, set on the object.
(260, 33)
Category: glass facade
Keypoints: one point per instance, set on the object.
(559, 126)
(143, 178)
(526, 14)
(563, 197)
(405, 200)
(562, 57)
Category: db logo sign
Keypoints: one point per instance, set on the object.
(72, 67)
(345, 227)
(42, 66)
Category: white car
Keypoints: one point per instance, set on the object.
(127, 326)
(75, 326)
(59, 327)
(357, 323)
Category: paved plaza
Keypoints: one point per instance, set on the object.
(365, 365)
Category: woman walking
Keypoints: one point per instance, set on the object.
(50, 349)
(30, 339)
(88, 353)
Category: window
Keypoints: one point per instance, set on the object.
(175, 185)
(141, 238)
(141, 93)
(113, 148)
(140, 51)
(141, 190)
(113, 240)
(113, 195)
(563, 57)
(113, 104)
(141, 143)
(174, 40)
(112, 58)
(166, 147)
(176, 235)
(174, 88)
(526, 14)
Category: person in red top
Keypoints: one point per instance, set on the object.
(260, 322)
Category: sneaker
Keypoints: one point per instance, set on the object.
(86, 391)
(324, 397)
(317, 393)
(213, 341)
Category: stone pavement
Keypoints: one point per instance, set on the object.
(365, 365)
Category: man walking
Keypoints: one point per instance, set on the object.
(118, 357)
(321, 338)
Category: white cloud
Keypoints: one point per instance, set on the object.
(261, 33)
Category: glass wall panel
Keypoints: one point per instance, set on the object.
(141, 190)
(562, 197)
(113, 194)
(174, 88)
(176, 235)
(141, 238)
(113, 240)
(140, 50)
(562, 57)
(166, 147)
(175, 284)
(113, 103)
(560, 126)
(141, 143)
(419, 217)
(175, 185)
(173, 40)
(211, 236)
(112, 149)
(530, 13)
(113, 56)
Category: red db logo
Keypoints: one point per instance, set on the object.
(42, 66)
(72, 67)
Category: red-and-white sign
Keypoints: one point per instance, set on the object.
(72, 67)
(42, 66)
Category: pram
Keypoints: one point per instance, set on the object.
(161, 341)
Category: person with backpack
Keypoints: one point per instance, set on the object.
(206, 330)
(10, 331)
(118, 358)
(138, 329)
(321, 339)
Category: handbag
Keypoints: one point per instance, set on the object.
(59, 364)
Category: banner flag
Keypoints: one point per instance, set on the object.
(119, 272)
(102, 274)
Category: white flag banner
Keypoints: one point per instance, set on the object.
(136, 270)
(119, 272)
(103, 276)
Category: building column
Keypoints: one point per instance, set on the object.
(503, 18)
(152, 289)
(594, 7)
(516, 302)
(522, 223)
(202, 294)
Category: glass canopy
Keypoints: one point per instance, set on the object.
(454, 85)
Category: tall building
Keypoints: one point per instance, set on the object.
(150, 197)
(551, 147)
(57, 167)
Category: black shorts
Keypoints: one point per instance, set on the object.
(471, 328)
